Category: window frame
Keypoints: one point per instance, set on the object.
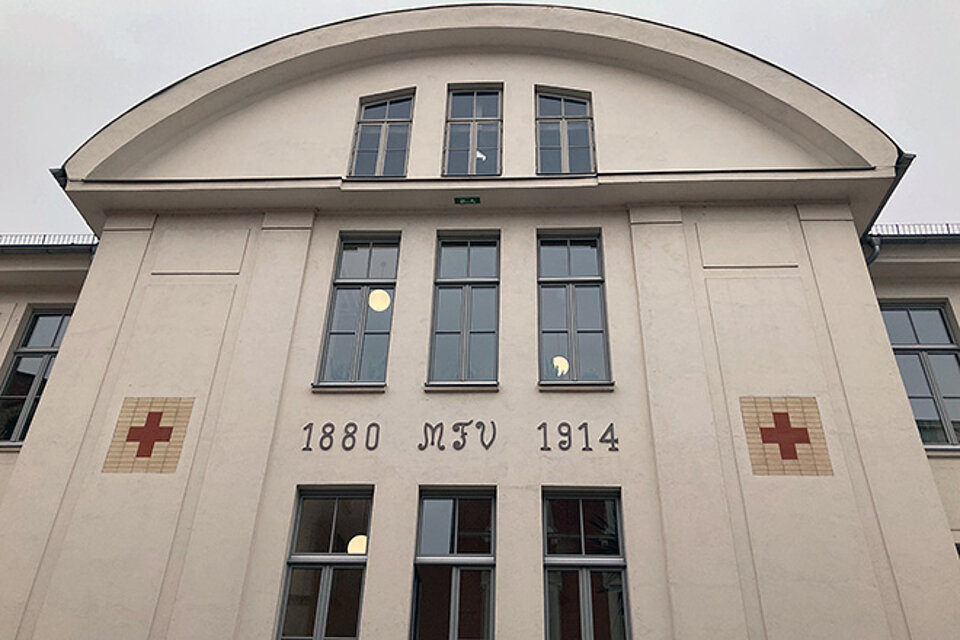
(47, 354)
(474, 121)
(365, 285)
(325, 562)
(563, 120)
(456, 561)
(465, 284)
(384, 124)
(570, 282)
(923, 351)
(584, 563)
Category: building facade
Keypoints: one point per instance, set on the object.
(474, 322)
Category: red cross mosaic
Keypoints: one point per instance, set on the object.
(785, 437)
(149, 435)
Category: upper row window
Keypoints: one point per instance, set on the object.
(474, 132)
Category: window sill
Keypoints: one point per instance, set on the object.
(462, 386)
(10, 447)
(602, 385)
(942, 450)
(348, 387)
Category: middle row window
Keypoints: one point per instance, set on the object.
(464, 345)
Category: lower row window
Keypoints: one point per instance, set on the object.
(453, 588)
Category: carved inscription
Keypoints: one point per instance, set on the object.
(433, 434)
(349, 436)
(566, 437)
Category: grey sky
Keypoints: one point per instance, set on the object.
(69, 67)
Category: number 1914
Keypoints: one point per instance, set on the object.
(565, 437)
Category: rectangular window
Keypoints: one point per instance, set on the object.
(473, 133)
(29, 370)
(361, 310)
(927, 355)
(573, 334)
(453, 578)
(465, 317)
(382, 137)
(325, 567)
(585, 568)
(564, 133)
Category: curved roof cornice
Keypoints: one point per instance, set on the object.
(710, 66)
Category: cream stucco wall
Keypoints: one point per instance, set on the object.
(696, 321)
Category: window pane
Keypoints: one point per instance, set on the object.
(10, 409)
(461, 104)
(22, 375)
(449, 305)
(488, 135)
(375, 111)
(584, 258)
(483, 260)
(353, 261)
(588, 308)
(366, 164)
(459, 136)
(548, 106)
(574, 107)
(606, 591)
(563, 526)
(400, 109)
(474, 606)
(483, 357)
(486, 161)
(63, 330)
(352, 514)
(25, 370)
(397, 136)
(898, 326)
(554, 357)
(458, 163)
(453, 260)
(592, 356)
(550, 161)
(346, 309)
(44, 331)
(433, 602)
(946, 372)
(563, 605)
(549, 134)
(928, 420)
(553, 307)
(379, 309)
(436, 527)
(369, 139)
(600, 527)
(373, 358)
(488, 104)
(578, 133)
(316, 521)
(394, 163)
(343, 612)
(580, 160)
(930, 326)
(301, 610)
(339, 357)
(912, 373)
(383, 262)
(483, 309)
(473, 525)
(446, 356)
(553, 259)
